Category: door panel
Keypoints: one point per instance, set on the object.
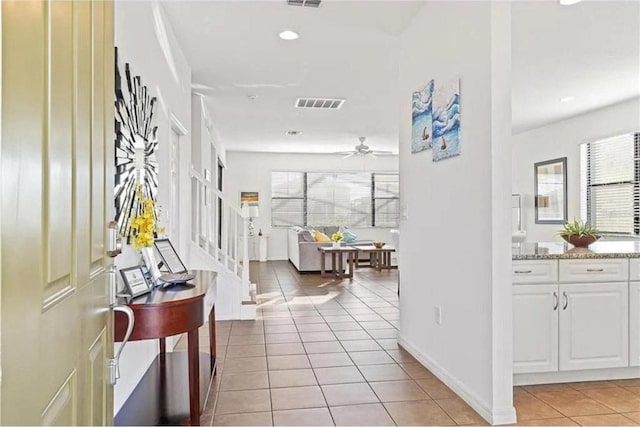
(61, 410)
(594, 326)
(634, 324)
(57, 66)
(535, 328)
(98, 218)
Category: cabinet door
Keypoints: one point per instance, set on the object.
(535, 328)
(594, 326)
(634, 324)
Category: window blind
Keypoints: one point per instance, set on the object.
(339, 199)
(613, 189)
(386, 199)
(356, 199)
(287, 198)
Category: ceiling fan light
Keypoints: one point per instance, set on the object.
(569, 2)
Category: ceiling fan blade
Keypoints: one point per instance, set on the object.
(383, 152)
(349, 155)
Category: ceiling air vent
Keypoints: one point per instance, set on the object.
(319, 103)
(305, 3)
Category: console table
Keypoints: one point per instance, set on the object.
(165, 312)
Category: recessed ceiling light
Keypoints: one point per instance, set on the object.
(294, 132)
(289, 35)
(567, 99)
(569, 2)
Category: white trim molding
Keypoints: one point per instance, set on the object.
(495, 416)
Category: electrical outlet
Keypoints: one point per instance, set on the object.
(438, 314)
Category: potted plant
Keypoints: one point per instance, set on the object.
(579, 234)
(337, 238)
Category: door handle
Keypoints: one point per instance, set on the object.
(114, 364)
(523, 271)
(566, 301)
(595, 270)
(555, 301)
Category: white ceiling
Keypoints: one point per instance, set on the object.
(590, 51)
(349, 49)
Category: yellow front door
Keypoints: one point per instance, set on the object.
(56, 170)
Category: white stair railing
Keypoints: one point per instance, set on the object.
(227, 240)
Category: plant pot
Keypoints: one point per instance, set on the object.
(336, 245)
(580, 241)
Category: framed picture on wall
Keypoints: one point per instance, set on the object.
(550, 192)
(251, 198)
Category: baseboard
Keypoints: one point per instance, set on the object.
(495, 416)
(577, 376)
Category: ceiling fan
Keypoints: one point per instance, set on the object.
(364, 150)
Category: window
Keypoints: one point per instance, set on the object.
(334, 198)
(612, 184)
(386, 199)
(288, 198)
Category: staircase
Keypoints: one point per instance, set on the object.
(219, 242)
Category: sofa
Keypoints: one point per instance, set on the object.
(304, 254)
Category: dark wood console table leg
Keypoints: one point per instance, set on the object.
(194, 377)
(323, 273)
(212, 340)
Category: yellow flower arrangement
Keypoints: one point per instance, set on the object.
(143, 225)
(337, 237)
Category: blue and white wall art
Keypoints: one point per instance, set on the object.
(436, 119)
(446, 120)
(422, 115)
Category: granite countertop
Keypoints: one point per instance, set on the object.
(557, 250)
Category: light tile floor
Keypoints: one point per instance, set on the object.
(324, 352)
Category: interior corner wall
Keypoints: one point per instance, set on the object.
(563, 139)
(452, 257)
(248, 171)
(145, 40)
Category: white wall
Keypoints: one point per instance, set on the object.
(563, 139)
(456, 239)
(252, 172)
(141, 32)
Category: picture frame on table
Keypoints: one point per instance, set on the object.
(135, 281)
(170, 258)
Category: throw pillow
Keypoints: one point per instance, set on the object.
(348, 236)
(330, 230)
(321, 237)
(306, 236)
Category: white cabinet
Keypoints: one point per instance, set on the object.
(594, 270)
(594, 326)
(634, 324)
(258, 248)
(542, 271)
(535, 328)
